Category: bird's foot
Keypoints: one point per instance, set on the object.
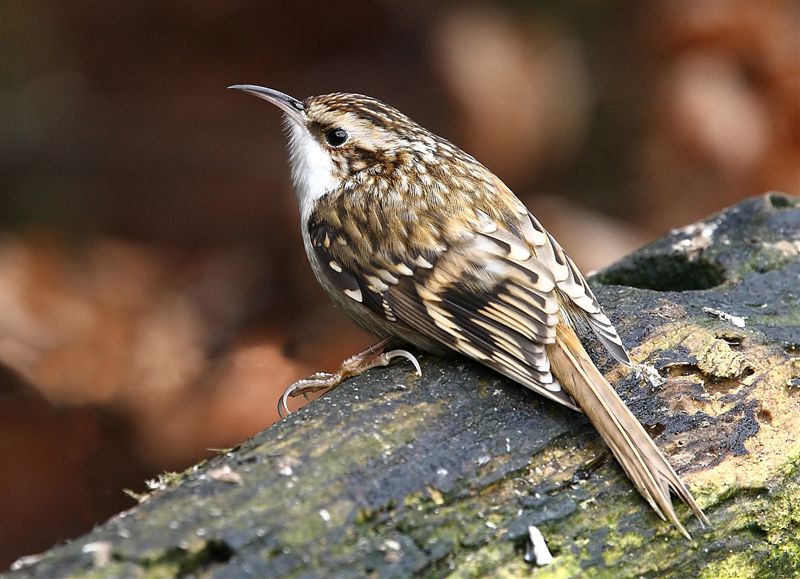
(372, 357)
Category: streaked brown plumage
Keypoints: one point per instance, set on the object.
(417, 240)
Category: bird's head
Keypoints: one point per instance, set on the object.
(334, 137)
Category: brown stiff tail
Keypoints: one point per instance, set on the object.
(628, 440)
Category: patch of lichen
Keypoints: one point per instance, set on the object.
(470, 524)
(764, 257)
(466, 522)
(314, 516)
(623, 544)
(560, 463)
(589, 539)
(715, 358)
(495, 559)
(736, 566)
(780, 519)
(769, 449)
(615, 535)
(752, 372)
(316, 458)
(702, 341)
(592, 543)
(785, 319)
(756, 533)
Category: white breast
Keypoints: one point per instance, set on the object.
(311, 166)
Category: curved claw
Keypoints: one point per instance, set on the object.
(353, 366)
(283, 403)
(404, 354)
(313, 383)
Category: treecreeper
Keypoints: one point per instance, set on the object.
(421, 244)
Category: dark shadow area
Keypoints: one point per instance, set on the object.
(665, 273)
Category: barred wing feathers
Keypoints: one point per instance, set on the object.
(484, 294)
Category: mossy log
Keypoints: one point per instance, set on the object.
(394, 475)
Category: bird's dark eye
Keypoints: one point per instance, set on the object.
(336, 137)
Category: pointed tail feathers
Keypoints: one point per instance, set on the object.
(635, 450)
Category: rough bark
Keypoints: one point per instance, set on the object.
(393, 474)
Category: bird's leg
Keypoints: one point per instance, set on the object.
(372, 357)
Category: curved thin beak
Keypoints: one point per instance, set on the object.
(290, 105)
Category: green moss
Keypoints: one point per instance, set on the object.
(490, 561)
(781, 522)
(562, 568)
(736, 566)
(621, 545)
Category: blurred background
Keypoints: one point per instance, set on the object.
(154, 296)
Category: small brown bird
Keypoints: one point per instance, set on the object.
(418, 242)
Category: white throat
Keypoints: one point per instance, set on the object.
(311, 166)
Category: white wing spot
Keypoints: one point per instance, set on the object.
(386, 276)
(335, 267)
(422, 262)
(403, 269)
(519, 253)
(387, 310)
(531, 233)
(376, 284)
(354, 294)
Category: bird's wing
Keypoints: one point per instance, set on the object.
(484, 293)
(571, 283)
